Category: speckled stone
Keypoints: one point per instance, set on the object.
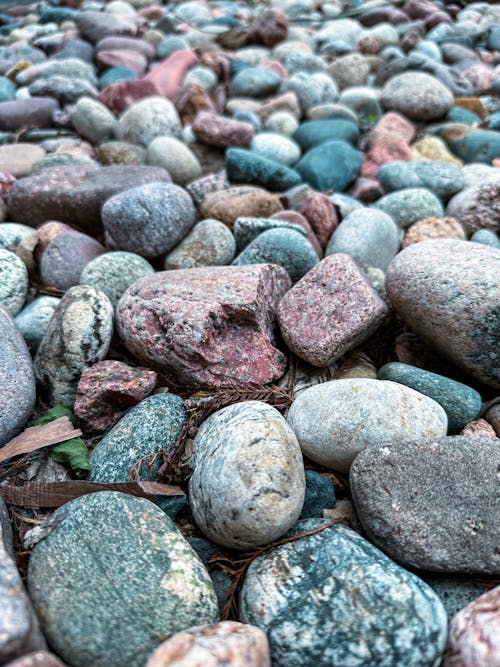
(277, 147)
(148, 428)
(410, 205)
(19, 159)
(451, 524)
(150, 118)
(26, 113)
(477, 207)
(245, 166)
(12, 233)
(417, 95)
(78, 335)
(247, 229)
(121, 152)
(123, 560)
(254, 82)
(442, 178)
(336, 420)
(215, 130)
(93, 121)
(13, 282)
(37, 659)
(33, 320)
(446, 291)
(150, 219)
(314, 132)
(174, 156)
(301, 594)
(461, 403)
(229, 204)
(64, 258)
(332, 165)
(483, 236)
(248, 485)
(65, 89)
(330, 311)
(433, 228)
(455, 591)
(209, 243)
(114, 272)
(211, 326)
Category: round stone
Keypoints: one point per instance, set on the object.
(432, 228)
(442, 178)
(244, 166)
(332, 165)
(13, 282)
(33, 320)
(64, 258)
(150, 118)
(254, 82)
(312, 89)
(209, 243)
(477, 207)
(410, 205)
(174, 156)
(12, 233)
(93, 121)
(417, 95)
(282, 122)
(276, 147)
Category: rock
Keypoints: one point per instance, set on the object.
(174, 156)
(312, 89)
(148, 119)
(277, 147)
(121, 152)
(432, 228)
(95, 26)
(479, 427)
(65, 257)
(410, 205)
(37, 659)
(78, 335)
(209, 243)
(244, 166)
(93, 121)
(11, 235)
(232, 203)
(450, 525)
(388, 142)
(483, 236)
(64, 89)
(331, 165)
(254, 82)
(209, 327)
(336, 420)
(417, 95)
(19, 159)
(13, 282)
(442, 178)
(477, 207)
(315, 132)
(215, 130)
(477, 146)
(454, 591)
(33, 320)
(31, 112)
(123, 58)
(320, 494)
(397, 618)
(126, 43)
(320, 212)
(242, 495)
(330, 311)
(134, 554)
(369, 237)
(282, 122)
(445, 291)
(473, 638)
(433, 148)
(245, 229)
(269, 27)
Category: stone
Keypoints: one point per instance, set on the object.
(248, 485)
(332, 165)
(19, 159)
(93, 121)
(209, 243)
(65, 257)
(277, 147)
(34, 319)
(26, 113)
(432, 228)
(269, 28)
(396, 619)
(132, 563)
(150, 219)
(147, 119)
(461, 403)
(446, 292)
(320, 494)
(107, 389)
(245, 229)
(37, 659)
(320, 212)
(229, 204)
(433, 148)
(315, 132)
(473, 638)
(245, 166)
(221, 132)
(442, 178)
(64, 89)
(477, 146)
(417, 95)
(148, 428)
(483, 236)
(331, 310)
(479, 427)
(126, 43)
(350, 70)
(78, 335)
(455, 591)
(120, 152)
(254, 82)
(175, 157)
(95, 26)
(477, 207)
(370, 237)
(312, 89)
(410, 205)
(167, 77)
(208, 327)
(388, 141)
(123, 58)
(336, 420)
(13, 282)
(11, 235)
(450, 525)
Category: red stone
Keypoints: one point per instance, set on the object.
(119, 96)
(269, 28)
(319, 211)
(215, 130)
(389, 141)
(107, 390)
(167, 77)
(298, 219)
(208, 327)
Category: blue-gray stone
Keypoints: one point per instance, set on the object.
(244, 166)
(461, 115)
(148, 428)
(486, 237)
(34, 320)
(221, 581)
(112, 577)
(494, 121)
(314, 132)
(312, 89)
(254, 82)
(57, 14)
(320, 494)
(455, 592)
(66, 89)
(13, 282)
(76, 48)
(7, 89)
(249, 117)
(442, 178)
(169, 45)
(478, 146)
(247, 229)
(116, 75)
(171, 505)
(410, 205)
(330, 166)
(285, 247)
(332, 598)
(461, 403)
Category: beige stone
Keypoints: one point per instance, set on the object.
(433, 148)
(433, 228)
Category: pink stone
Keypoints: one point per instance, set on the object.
(331, 310)
(119, 96)
(286, 102)
(269, 28)
(167, 77)
(474, 634)
(215, 130)
(298, 219)
(207, 327)
(389, 141)
(107, 390)
(319, 211)
(393, 124)
(479, 427)
(123, 58)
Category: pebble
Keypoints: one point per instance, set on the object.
(332, 165)
(312, 89)
(65, 257)
(37, 659)
(209, 243)
(26, 113)
(13, 282)
(276, 147)
(20, 159)
(439, 177)
(244, 166)
(417, 95)
(175, 157)
(410, 205)
(221, 132)
(245, 229)
(314, 132)
(120, 152)
(11, 235)
(93, 120)
(486, 237)
(282, 122)
(432, 228)
(229, 204)
(477, 207)
(34, 319)
(147, 119)
(254, 82)
(336, 420)
(320, 494)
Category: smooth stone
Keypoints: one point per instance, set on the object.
(121, 152)
(244, 166)
(148, 428)
(247, 229)
(93, 121)
(201, 76)
(175, 157)
(336, 420)
(26, 113)
(350, 70)
(126, 43)
(132, 563)
(13, 282)
(451, 524)
(478, 206)
(320, 494)
(434, 148)
(243, 495)
(461, 403)
(312, 89)
(7, 89)
(397, 619)
(410, 205)
(282, 122)
(150, 219)
(116, 75)
(249, 117)
(441, 178)
(370, 237)
(33, 320)
(147, 119)
(254, 82)
(478, 146)
(11, 235)
(276, 147)
(17, 390)
(220, 131)
(37, 659)
(454, 591)
(94, 26)
(64, 89)
(209, 243)
(485, 237)
(170, 44)
(78, 335)
(231, 203)
(314, 132)
(446, 291)
(332, 165)
(19, 159)
(417, 95)
(64, 258)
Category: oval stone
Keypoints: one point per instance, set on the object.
(33, 320)
(417, 95)
(13, 282)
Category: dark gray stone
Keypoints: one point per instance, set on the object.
(455, 591)
(320, 494)
(64, 258)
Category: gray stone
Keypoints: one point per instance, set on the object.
(64, 258)
(336, 420)
(68, 67)
(174, 156)
(312, 89)
(11, 235)
(209, 243)
(477, 207)
(247, 229)
(66, 90)
(254, 82)
(96, 25)
(332, 598)
(93, 121)
(37, 659)
(276, 147)
(410, 205)
(441, 177)
(417, 95)
(78, 335)
(150, 118)
(13, 282)
(33, 320)
(451, 523)
(248, 485)
(111, 577)
(486, 237)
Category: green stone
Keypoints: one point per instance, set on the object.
(244, 166)
(332, 165)
(314, 132)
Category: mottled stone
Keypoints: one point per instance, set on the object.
(433, 228)
(300, 222)
(11, 235)
(446, 291)
(388, 142)
(248, 486)
(94, 26)
(331, 310)
(33, 320)
(120, 152)
(19, 159)
(246, 229)
(319, 211)
(78, 335)
(332, 165)
(410, 205)
(442, 178)
(254, 82)
(336, 420)
(26, 113)
(13, 282)
(314, 132)
(93, 121)
(210, 327)
(332, 598)
(451, 524)
(228, 205)
(215, 130)
(106, 560)
(209, 243)
(417, 95)
(277, 147)
(479, 427)
(454, 590)
(245, 166)
(477, 207)
(64, 258)
(63, 88)
(145, 120)
(320, 494)
(269, 27)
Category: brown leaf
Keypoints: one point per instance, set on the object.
(37, 437)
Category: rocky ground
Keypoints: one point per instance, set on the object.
(249, 325)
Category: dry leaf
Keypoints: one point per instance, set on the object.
(37, 437)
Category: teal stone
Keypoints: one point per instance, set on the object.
(111, 577)
(461, 403)
(244, 166)
(58, 14)
(494, 121)
(7, 138)
(254, 82)
(330, 166)
(115, 75)
(332, 598)
(315, 132)
(461, 115)
(149, 427)
(478, 146)
(410, 205)
(454, 591)
(320, 494)
(169, 45)
(486, 237)
(247, 229)
(442, 178)
(7, 89)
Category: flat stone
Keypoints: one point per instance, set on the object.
(331, 310)
(65, 257)
(27, 113)
(336, 420)
(13, 282)
(209, 243)
(311, 583)
(248, 486)
(19, 159)
(451, 524)
(33, 320)
(210, 327)
(229, 204)
(132, 563)
(410, 205)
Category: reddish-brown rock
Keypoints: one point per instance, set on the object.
(119, 96)
(206, 327)
(366, 190)
(389, 141)
(191, 100)
(319, 211)
(220, 131)
(244, 200)
(269, 28)
(167, 77)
